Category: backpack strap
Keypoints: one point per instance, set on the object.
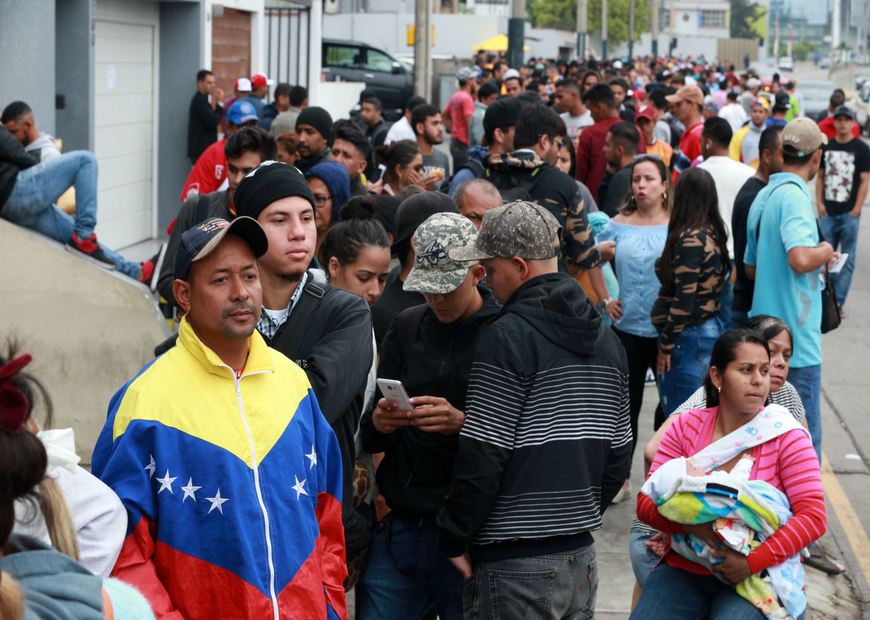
(200, 213)
(293, 331)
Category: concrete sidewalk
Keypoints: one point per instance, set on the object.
(829, 597)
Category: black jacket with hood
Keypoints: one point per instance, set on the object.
(13, 159)
(435, 360)
(546, 443)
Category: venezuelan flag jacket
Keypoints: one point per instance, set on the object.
(232, 487)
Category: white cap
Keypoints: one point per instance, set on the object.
(511, 74)
(617, 64)
(243, 85)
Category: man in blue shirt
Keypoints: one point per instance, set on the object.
(784, 255)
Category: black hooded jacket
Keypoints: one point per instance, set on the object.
(415, 473)
(546, 443)
(13, 159)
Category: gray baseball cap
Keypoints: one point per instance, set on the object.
(434, 271)
(518, 228)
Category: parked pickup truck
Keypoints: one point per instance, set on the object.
(352, 61)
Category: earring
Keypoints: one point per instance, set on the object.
(719, 389)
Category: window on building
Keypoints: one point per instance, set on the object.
(712, 19)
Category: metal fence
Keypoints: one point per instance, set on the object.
(288, 30)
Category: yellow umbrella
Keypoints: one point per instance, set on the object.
(498, 43)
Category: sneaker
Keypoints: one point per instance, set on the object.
(90, 250)
(146, 272)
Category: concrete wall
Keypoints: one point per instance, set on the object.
(89, 331)
(27, 49)
(179, 54)
(74, 80)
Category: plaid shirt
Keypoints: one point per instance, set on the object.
(268, 327)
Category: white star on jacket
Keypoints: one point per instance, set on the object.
(165, 483)
(151, 467)
(190, 490)
(217, 502)
(299, 487)
(312, 457)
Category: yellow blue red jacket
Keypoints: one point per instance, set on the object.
(232, 487)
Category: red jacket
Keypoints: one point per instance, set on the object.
(827, 127)
(208, 173)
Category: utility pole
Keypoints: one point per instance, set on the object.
(582, 21)
(630, 30)
(654, 18)
(422, 49)
(603, 29)
(516, 33)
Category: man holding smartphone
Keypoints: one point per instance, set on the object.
(429, 349)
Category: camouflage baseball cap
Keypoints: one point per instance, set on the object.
(518, 228)
(434, 271)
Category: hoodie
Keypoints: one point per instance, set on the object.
(13, 159)
(546, 443)
(43, 149)
(744, 144)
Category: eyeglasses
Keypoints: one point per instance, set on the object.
(321, 200)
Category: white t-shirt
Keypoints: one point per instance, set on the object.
(401, 130)
(729, 176)
(735, 115)
(576, 123)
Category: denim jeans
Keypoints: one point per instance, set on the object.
(726, 299)
(841, 231)
(541, 586)
(690, 359)
(32, 202)
(675, 594)
(407, 573)
(643, 561)
(808, 383)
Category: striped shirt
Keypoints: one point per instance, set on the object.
(787, 462)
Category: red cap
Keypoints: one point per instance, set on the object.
(645, 112)
(258, 80)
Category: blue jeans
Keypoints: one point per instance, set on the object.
(841, 231)
(407, 573)
(726, 299)
(562, 585)
(32, 202)
(675, 594)
(808, 383)
(690, 359)
(643, 561)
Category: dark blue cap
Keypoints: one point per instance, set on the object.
(199, 241)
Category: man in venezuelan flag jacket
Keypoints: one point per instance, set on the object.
(230, 474)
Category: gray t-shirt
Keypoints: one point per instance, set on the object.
(436, 161)
(576, 123)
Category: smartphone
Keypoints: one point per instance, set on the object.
(395, 391)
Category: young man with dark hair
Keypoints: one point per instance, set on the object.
(665, 129)
(325, 330)
(744, 143)
(826, 118)
(351, 148)
(591, 164)
(620, 95)
(371, 115)
(285, 122)
(18, 118)
(574, 114)
(204, 115)
(486, 95)
(244, 151)
(841, 189)
(620, 148)
(541, 454)
(429, 128)
(528, 173)
(769, 162)
(784, 255)
(279, 105)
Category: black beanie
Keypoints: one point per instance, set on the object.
(317, 118)
(268, 182)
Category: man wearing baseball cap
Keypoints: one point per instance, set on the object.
(313, 137)
(687, 105)
(646, 123)
(209, 173)
(784, 255)
(327, 331)
(259, 91)
(840, 190)
(226, 422)
(744, 142)
(538, 439)
(457, 115)
(430, 349)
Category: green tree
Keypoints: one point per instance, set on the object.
(562, 15)
(743, 15)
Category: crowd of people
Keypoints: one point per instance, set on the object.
(417, 379)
